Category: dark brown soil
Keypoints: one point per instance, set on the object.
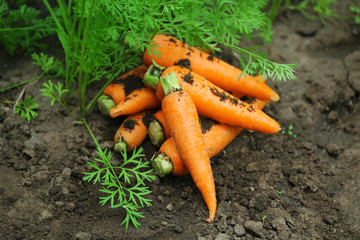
(268, 186)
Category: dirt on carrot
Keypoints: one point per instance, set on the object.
(184, 63)
(130, 83)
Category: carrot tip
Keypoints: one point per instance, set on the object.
(275, 97)
(105, 103)
(156, 133)
(210, 219)
(162, 164)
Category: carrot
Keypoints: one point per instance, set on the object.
(215, 103)
(182, 118)
(168, 159)
(119, 88)
(222, 74)
(132, 132)
(139, 100)
(158, 129)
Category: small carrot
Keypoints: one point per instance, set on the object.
(215, 103)
(132, 131)
(222, 74)
(158, 129)
(182, 118)
(139, 100)
(122, 86)
(168, 159)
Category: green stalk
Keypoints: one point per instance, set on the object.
(21, 83)
(81, 83)
(170, 83)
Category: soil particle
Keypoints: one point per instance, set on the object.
(184, 63)
(82, 236)
(333, 149)
(255, 228)
(222, 236)
(222, 225)
(239, 230)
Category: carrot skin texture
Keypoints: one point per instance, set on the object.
(183, 121)
(216, 139)
(213, 69)
(220, 108)
(116, 90)
(139, 100)
(132, 131)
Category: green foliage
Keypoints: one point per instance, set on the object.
(50, 67)
(290, 131)
(27, 109)
(124, 185)
(356, 10)
(103, 38)
(23, 28)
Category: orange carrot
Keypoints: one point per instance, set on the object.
(132, 132)
(215, 103)
(122, 86)
(222, 74)
(139, 100)
(182, 118)
(169, 160)
(158, 129)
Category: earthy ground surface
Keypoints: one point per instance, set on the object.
(268, 186)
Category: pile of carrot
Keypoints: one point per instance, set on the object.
(191, 105)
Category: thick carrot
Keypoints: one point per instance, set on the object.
(132, 131)
(169, 160)
(222, 74)
(182, 118)
(158, 129)
(119, 88)
(215, 103)
(139, 100)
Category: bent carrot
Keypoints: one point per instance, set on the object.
(168, 159)
(182, 118)
(132, 132)
(119, 88)
(139, 100)
(215, 103)
(222, 74)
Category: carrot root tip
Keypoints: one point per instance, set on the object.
(275, 98)
(162, 164)
(120, 146)
(105, 103)
(156, 133)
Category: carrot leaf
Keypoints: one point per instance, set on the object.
(117, 186)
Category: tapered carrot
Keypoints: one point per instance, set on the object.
(215, 103)
(222, 74)
(132, 132)
(139, 100)
(122, 86)
(182, 118)
(168, 159)
(158, 129)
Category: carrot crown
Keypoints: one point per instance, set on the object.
(152, 75)
(170, 83)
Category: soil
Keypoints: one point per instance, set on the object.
(302, 183)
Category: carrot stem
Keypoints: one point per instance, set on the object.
(105, 103)
(120, 146)
(156, 133)
(161, 164)
(152, 75)
(170, 83)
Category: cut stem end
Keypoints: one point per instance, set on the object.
(105, 103)
(162, 164)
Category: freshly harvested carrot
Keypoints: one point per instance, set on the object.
(132, 131)
(182, 118)
(138, 100)
(122, 86)
(222, 74)
(168, 159)
(158, 129)
(215, 103)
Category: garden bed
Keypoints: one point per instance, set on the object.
(302, 183)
